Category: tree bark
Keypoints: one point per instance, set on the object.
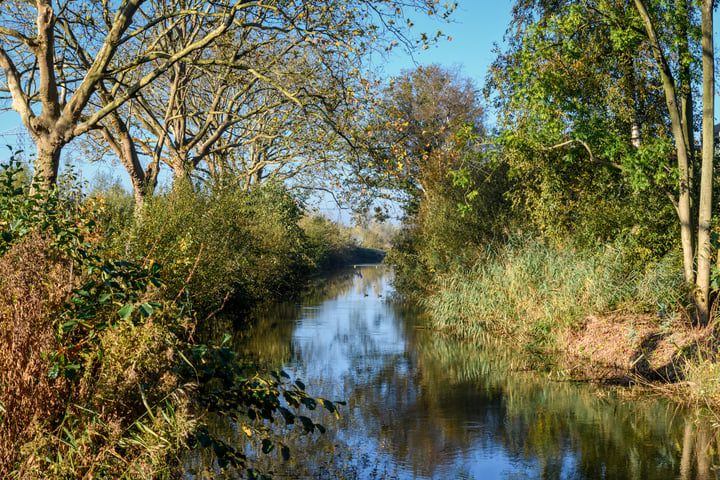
(702, 300)
(47, 163)
(669, 87)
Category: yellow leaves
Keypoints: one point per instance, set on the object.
(247, 430)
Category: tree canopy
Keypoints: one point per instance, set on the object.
(108, 67)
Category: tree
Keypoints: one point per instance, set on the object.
(81, 64)
(47, 67)
(220, 121)
(575, 100)
(412, 138)
(648, 49)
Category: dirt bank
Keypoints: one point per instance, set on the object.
(624, 348)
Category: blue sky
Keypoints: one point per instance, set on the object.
(474, 27)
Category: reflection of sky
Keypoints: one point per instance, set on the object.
(424, 407)
(353, 347)
(337, 338)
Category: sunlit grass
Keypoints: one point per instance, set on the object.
(529, 290)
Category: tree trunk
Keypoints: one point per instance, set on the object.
(669, 87)
(702, 299)
(47, 163)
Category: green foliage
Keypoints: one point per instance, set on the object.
(216, 245)
(572, 85)
(328, 244)
(118, 388)
(118, 205)
(60, 213)
(117, 291)
(466, 211)
(88, 359)
(252, 399)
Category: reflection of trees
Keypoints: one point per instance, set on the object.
(569, 430)
(438, 402)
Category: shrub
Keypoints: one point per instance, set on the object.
(223, 244)
(327, 243)
(88, 388)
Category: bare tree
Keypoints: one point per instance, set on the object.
(86, 66)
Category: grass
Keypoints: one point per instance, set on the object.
(530, 290)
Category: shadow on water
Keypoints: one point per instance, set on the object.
(423, 406)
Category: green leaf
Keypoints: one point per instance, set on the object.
(308, 424)
(126, 311)
(226, 338)
(104, 297)
(69, 325)
(145, 309)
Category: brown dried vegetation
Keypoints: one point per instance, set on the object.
(34, 283)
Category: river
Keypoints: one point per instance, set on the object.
(422, 406)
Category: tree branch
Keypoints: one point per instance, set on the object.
(593, 158)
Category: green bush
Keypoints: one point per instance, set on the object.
(466, 211)
(328, 244)
(87, 351)
(226, 244)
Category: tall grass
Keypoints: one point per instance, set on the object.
(528, 289)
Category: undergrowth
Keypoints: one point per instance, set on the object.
(101, 377)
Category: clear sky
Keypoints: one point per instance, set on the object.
(474, 28)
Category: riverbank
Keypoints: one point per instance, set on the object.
(599, 316)
(99, 310)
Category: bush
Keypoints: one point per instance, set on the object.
(100, 379)
(465, 212)
(76, 393)
(327, 243)
(224, 244)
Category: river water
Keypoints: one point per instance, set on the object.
(421, 406)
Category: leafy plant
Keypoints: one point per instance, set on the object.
(254, 400)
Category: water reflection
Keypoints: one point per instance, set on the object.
(422, 406)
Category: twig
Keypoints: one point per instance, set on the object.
(192, 271)
(587, 147)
